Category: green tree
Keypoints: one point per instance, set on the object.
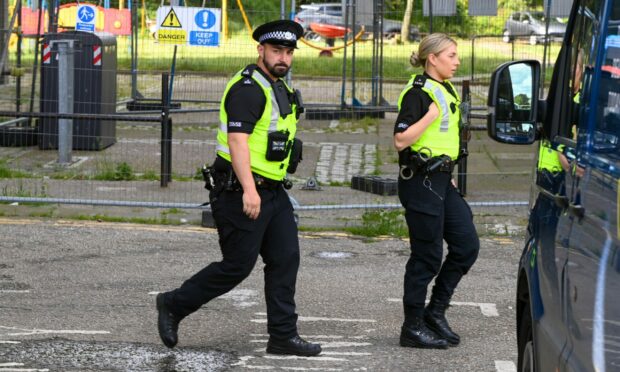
(522, 100)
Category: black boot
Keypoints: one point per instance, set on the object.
(415, 334)
(435, 319)
(293, 346)
(167, 323)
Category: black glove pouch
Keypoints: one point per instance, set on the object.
(296, 156)
(277, 146)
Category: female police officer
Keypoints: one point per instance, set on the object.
(426, 134)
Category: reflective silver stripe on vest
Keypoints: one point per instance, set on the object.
(219, 146)
(441, 99)
(275, 109)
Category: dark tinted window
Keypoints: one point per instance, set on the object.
(582, 43)
(608, 109)
(515, 17)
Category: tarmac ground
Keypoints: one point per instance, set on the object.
(79, 296)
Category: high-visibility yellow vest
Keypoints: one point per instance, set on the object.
(548, 158)
(442, 135)
(270, 121)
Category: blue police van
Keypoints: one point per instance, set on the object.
(568, 288)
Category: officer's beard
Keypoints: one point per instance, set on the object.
(278, 70)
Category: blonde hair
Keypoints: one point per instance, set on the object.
(431, 44)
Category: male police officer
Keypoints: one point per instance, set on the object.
(252, 211)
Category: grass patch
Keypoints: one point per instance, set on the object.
(382, 222)
(47, 214)
(172, 211)
(109, 172)
(21, 191)
(315, 229)
(6, 172)
(139, 220)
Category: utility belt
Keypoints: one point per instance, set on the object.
(228, 181)
(550, 180)
(422, 162)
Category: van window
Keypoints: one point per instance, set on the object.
(515, 17)
(581, 42)
(607, 132)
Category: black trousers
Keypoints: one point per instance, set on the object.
(273, 235)
(435, 211)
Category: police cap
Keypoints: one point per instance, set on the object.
(280, 32)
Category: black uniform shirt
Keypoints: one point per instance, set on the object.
(414, 106)
(245, 103)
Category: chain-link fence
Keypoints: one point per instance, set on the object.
(111, 97)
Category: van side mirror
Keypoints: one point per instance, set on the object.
(513, 102)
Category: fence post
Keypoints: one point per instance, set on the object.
(65, 100)
(166, 134)
(464, 138)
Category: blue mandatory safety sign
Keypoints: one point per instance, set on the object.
(86, 16)
(205, 19)
(204, 38)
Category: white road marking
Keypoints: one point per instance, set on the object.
(14, 291)
(329, 345)
(23, 369)
(30, 332)
(315, 358)
(243, 362)
(9, 342)
(310, 369)
(241, 297)
(487, 309)
(11, 364)
(319, 319)
(311, 336)
(505, 366)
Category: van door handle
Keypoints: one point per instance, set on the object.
(576, 210)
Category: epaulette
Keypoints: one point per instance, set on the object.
(419, 81)
(249, 70)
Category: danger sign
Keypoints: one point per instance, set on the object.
(171, 20)
(189, 25)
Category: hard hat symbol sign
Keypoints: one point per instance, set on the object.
(205, 19)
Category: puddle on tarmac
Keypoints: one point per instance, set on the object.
(67, 355)
(334, 255)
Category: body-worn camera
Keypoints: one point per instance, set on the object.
(277, 146)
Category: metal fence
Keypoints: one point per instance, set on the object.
(125, 151)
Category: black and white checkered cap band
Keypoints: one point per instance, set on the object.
(278, 35)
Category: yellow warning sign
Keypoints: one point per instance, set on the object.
(171, 20)
(172, 36)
